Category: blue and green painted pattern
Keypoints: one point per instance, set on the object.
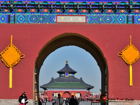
(29, 18)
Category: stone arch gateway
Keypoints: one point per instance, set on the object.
(67, 39)
(105, 40)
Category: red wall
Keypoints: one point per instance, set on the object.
(30, 39)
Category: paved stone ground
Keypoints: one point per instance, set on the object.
(81, 103)
(112, 102)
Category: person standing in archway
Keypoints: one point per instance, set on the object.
(59, 100)
(73, 101)
(67, 101)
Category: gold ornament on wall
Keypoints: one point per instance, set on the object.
(11, 56)
(130, 54)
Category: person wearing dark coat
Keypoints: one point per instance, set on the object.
(40, 103)
(73, 101)
(23, 100)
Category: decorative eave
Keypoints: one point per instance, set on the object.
(67, 83)
(87, 85)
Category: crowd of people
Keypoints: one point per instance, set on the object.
(68, 101)
(60, 101)
(23, 100)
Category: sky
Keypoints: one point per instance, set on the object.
(78, 59)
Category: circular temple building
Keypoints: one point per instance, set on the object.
(66, 85)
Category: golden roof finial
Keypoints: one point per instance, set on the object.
(66, 62)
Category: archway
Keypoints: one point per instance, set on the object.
(66, 94)
(67, 39)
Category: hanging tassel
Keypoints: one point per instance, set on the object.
(10, 78)
(130, 75)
